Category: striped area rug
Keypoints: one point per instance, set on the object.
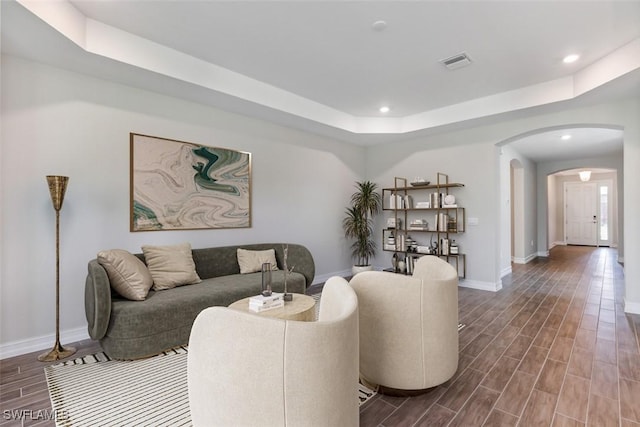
(96, 391)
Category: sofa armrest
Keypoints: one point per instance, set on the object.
(97, 300)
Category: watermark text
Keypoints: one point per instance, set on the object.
(35, 415)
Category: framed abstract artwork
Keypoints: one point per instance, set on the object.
(178, 185)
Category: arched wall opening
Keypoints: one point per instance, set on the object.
(524, 185)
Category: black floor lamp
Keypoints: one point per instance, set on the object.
(57, 188)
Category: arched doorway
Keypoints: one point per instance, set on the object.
(526, 161)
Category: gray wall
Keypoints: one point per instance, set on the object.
(61, 123)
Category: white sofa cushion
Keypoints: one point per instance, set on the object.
(170, 266)
(251, 261)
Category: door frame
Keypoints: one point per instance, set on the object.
(610, 201)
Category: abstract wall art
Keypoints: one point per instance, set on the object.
(178, 185)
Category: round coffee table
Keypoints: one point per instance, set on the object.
(301, 308)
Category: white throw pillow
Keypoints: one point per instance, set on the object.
(251, 261)
(128, 275)
(170, 266)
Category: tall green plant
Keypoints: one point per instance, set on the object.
(358, 222)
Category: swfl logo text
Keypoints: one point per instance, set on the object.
(30, 414)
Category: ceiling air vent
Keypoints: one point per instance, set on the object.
(457, 61)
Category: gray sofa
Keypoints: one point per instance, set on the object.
(136, 329)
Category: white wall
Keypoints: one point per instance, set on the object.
(525, 197)
(61, 123)
(467, 158)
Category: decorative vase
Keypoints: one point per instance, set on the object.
(266, 279)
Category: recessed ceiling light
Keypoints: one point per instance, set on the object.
(570, 58)
(379, 26)
(385, 109)
(565, 137)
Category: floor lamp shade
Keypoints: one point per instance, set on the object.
(57, 188)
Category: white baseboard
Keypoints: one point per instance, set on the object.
(631, 307)
(544, 254)
(324, 277)
(483, 286)
(526, 260)
(505, 271)
(42, 343)
(558, 244)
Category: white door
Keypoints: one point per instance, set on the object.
(581, 213)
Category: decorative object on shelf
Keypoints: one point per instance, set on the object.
(407, 202)
(449, 200)
(418, 181)
(396, 201)
(444, 246)
(442, 221)
(453, 248)
(435, 200)
(178, 185)
(419, 224)
(285, 250)
(266, 279)
(391, 242)
(394, 223)
(57, 188)
(358, 223)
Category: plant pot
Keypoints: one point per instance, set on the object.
(360, 268)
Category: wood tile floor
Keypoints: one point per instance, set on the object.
(553, 347)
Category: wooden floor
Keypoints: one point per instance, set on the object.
(554, 347)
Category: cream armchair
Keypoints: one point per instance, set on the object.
(248, 370)
(408, 325)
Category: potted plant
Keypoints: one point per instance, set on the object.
(358, 223)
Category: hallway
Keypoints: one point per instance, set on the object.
(553, 347)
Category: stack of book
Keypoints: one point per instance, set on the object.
(418, 224)
(261, 303)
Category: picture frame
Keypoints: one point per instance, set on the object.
(178, 185)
